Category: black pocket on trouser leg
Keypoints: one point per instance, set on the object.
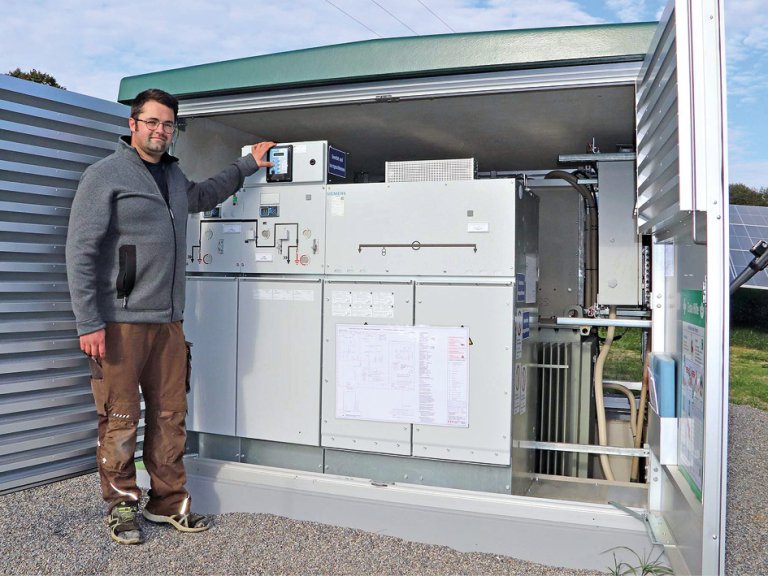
(189, 364)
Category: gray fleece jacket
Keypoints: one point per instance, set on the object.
(126, 247)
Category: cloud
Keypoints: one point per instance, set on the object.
(747, 22)
(749, 172)
(503, 14)
(636, 10)
(746, 25)
(747, 143)
(628, 10)
(88, 46)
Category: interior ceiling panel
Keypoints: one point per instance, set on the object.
(511, 131)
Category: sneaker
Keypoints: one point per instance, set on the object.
(123, 527)
(189, 522)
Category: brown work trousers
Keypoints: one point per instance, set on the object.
(152, 356)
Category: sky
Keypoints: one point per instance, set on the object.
(90, 45)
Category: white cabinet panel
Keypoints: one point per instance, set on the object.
(210, 323)
(459, 228)
(488, 312)
(374, 303)
(278, 348)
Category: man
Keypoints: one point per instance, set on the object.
(126, 255)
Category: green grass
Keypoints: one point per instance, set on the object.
(749, 363)
(624, 360)
(749, 367)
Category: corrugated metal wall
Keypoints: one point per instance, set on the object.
(47, 419)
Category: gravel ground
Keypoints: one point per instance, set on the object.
(59, 529)
(746, 530)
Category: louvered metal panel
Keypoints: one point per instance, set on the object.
(679, 119)
(658, 132)
(47, 419)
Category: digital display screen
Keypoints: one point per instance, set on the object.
(282, 160)
(281, 169)
(279, 159)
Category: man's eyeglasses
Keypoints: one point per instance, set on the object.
(153, 123)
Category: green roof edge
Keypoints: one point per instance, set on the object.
(403, 57)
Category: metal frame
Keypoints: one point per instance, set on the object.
(417, 88)
(576, 533)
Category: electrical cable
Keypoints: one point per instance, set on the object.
(353, 18)
(590, 206)
(436, 16)
(620, 336)
(632, 405)
(635, 468)
(602, 434)
(395, 17)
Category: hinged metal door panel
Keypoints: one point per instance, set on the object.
(354, 303)
(682, 200)
(278, 359)
(680, 116)
(47, 417)
(488, 311)
(214, 353)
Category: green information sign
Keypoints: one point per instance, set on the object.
(691, 399)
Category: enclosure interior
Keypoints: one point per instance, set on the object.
(511, 132)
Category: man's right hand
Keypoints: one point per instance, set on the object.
(259, 151)
(94, 344)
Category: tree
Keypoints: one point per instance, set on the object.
(744, 195)
(36, 76)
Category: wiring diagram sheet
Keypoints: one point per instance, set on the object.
(409, 374)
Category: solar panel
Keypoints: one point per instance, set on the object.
(748, 225)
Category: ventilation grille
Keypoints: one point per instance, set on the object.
(430, 170)
(565, 411)
(554, 411)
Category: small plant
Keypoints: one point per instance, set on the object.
(645, 565)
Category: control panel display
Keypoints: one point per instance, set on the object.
(282, 164)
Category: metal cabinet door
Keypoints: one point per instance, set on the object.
(278, 371)
(487, 310)
(360, 303)
(210, 323)
(682, 176)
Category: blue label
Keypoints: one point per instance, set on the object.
(337, 162)
(521, 287)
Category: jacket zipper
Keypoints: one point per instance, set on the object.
(173, 228)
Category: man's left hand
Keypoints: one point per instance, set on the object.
(259, 150)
